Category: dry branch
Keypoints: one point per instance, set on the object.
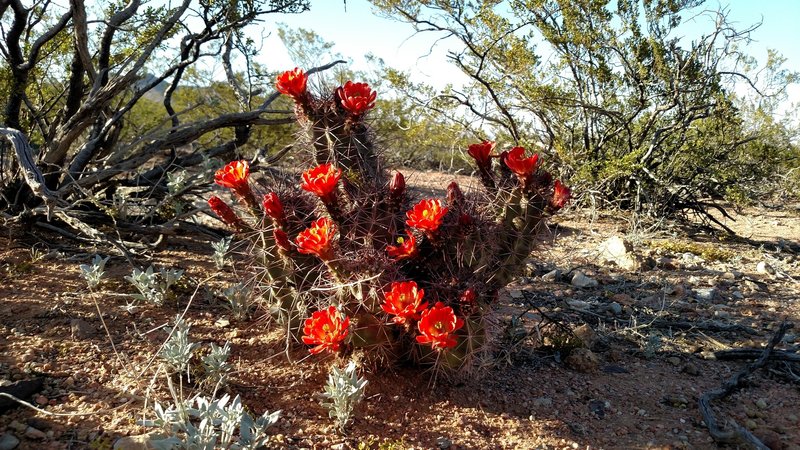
(737, 434)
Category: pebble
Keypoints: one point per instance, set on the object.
(583, 360)
(722, 314)
(41, 400)
(587, 336)
(705, 294)
(16, 426)
(81, 329)
(737, 295)
(615, 308)
(543, 401)
(764, 268)
(674, 360)
(516, 294)
(750, 424)
(33, 433)
(443, 442)
(8, 441)
(691, 369)
(582, 281)
(577, 304)
(761, 403)
(552, 276)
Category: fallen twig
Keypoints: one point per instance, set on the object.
(753, 353)
(737, 434)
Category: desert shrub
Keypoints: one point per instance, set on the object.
(351, 263)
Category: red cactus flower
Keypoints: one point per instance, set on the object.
(292, 83)
(356, 98)
(404, 302)
(317, 240)
(397, 186)
(234, 176)
(224, 212)
(561, 195)
(282, 240)
(437, 326)
(481, 153)
(406, 250)
(321, 180)
(326, 329)
(273, 207)
(426, 215)
(516, 161)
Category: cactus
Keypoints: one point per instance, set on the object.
(337, 255)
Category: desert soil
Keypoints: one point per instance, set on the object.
(631, 379)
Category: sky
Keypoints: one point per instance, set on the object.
(357, 30)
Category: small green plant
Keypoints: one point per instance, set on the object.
(708, 252)
(240, 300)
(220, 251)
(203, 424)
(343, 392)
(93, 273)
(178, 351)
(154, 287)
(215, 364)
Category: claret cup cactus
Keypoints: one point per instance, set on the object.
(349, 262)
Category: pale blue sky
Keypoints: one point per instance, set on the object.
(357, 31)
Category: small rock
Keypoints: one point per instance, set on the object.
(8, 441)
(516, 294)
(222, 322)
(675, 400)
(694, 281)
(81, 329)
(577, 304)
(18, 427)
(722, 314)
(552, 276)
(41, 400)
(543, 402)
(579, 279)
(615, 308)
(690, 369)
(761, 403)
(737, 295)
(764, 268)
(674, 360)
(138, 442)
(443, 442)
(750, 424)
(705, 294)
(33, 433)
(587, 336)
(666, 263)
(623, 299)
(583, 360)
(620, 252)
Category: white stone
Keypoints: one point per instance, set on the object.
(620, 252)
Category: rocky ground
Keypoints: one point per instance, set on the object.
(608, 342)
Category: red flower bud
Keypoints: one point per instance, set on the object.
(465, 220)
(468, 297)
(455, 197)
(397, 186)
(282, 240)
(224, 212)
(273, 207)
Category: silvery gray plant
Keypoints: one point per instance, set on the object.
(178, 351)
(94, 272)
(216, 363)
(343, 392)
(239, 300)
(202, 424)
(220, 250)
(153, 287)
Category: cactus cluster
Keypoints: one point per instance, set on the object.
(349, 262)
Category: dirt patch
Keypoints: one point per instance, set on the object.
(653, 333)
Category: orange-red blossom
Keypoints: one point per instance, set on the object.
(406, 249)
(404, 302)
(322, 180)
(318, 239)
(325, 330)
(292, 83)
(437, 325)
(356, 98)
(426, 215)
